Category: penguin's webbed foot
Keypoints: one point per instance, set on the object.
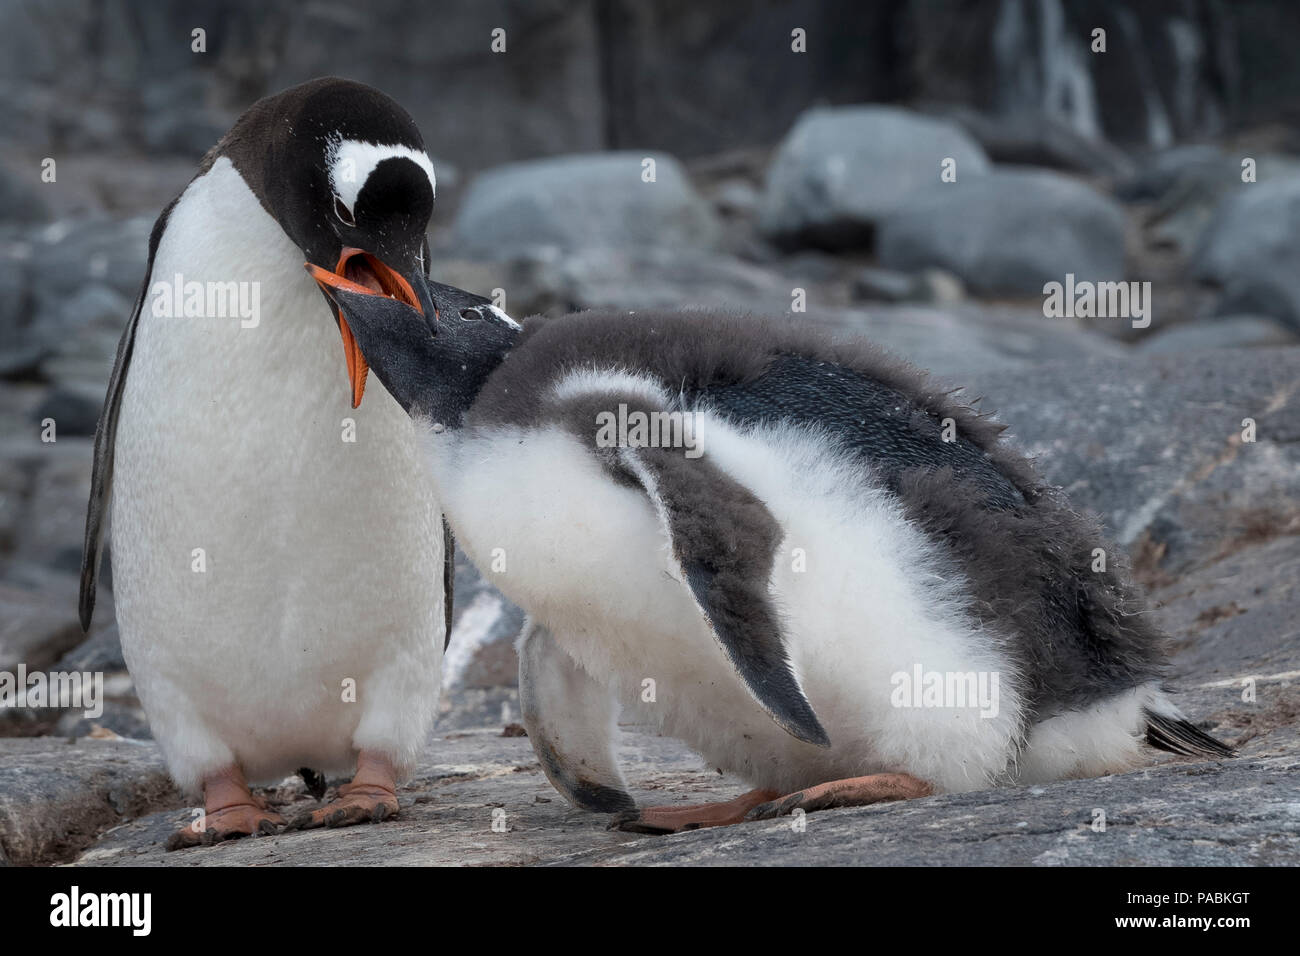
(356, 803)
(661, 820)
(228, 823)
(371, 797)
(851, 792)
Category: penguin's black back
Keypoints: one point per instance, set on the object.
(880, 423)
(1077, 635)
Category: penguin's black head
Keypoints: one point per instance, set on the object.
(342, 168)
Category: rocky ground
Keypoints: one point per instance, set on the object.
(1144, 426)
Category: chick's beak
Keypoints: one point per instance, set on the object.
(365, 275)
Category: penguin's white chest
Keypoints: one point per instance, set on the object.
(277, 555)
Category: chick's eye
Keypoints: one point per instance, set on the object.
(344, 214)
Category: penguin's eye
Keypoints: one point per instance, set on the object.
(344, 214)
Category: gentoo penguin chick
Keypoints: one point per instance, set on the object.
(818, 570)
(279, 557)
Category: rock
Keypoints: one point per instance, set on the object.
(23, 347)
(485, 624)
(1010, 231)
(56, 797)
(74, 413)
(1033, 138)
(1251, 250)
(102, 651)
(124, 717)
(20, 195)
(1154, 445)
(32, 632)
(584, 201)
(696, 78)
(1161, 171)
(70, 257)
(1197, 182)
(1231, 617)
(53, 516)
(736, 197)
(842, 169)
(1236, 331)
(1165, 74)
(873, 284)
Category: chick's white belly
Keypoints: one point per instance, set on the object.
(862, 596)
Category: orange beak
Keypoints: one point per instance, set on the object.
(359, 271)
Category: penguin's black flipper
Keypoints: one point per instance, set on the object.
(1177, 736)
(101, 476)
(448, 577)
(725, 540)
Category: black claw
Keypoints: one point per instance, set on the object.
(265, 827)
(775, 808)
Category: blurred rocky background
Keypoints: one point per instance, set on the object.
(775, 171)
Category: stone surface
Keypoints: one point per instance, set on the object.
(840, 170)
(574, 202)
(56, 796)
(1009, 231)
(1154, 446)
(1236, 812)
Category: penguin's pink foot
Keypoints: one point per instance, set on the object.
(852, 792)
(230, 811)
(371, 797)
(696, 816)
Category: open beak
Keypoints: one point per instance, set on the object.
(365, 280)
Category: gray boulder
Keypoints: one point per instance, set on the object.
(1251, 249)
(582, 201)
(1010, 231)
(841, 169)
(1189, 185)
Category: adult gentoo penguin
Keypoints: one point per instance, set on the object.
(821, 572)
(279, 557)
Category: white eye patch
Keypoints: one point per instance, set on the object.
(351, 161)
